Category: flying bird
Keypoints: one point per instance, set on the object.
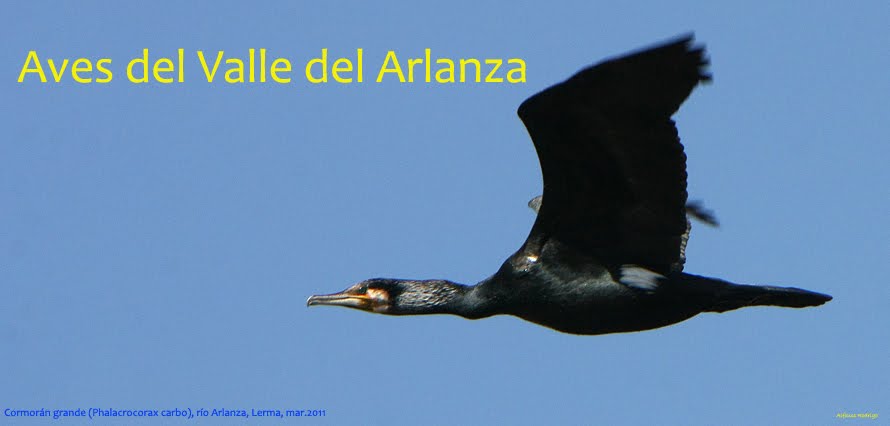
(607, 249)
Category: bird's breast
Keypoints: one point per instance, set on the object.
(581, 296)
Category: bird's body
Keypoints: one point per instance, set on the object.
(582, 296)
(607, 250)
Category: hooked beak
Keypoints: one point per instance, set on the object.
(357, 301)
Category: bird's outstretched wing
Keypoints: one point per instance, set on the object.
(614, 169)
(694, 209)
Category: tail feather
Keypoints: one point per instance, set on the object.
(734, 296)
(717, 295)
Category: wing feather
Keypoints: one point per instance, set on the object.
(614, 168)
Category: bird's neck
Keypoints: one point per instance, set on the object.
(442, 297)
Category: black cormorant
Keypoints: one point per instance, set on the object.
(607, 249)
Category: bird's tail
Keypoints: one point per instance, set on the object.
(737, 296)
(726, 296)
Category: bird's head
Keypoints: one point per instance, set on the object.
(394, 297)
(374, 295)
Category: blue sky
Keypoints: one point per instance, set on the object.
(158, 242)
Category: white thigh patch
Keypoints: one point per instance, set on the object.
(639, 277)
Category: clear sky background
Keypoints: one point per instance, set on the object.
(158, 242)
